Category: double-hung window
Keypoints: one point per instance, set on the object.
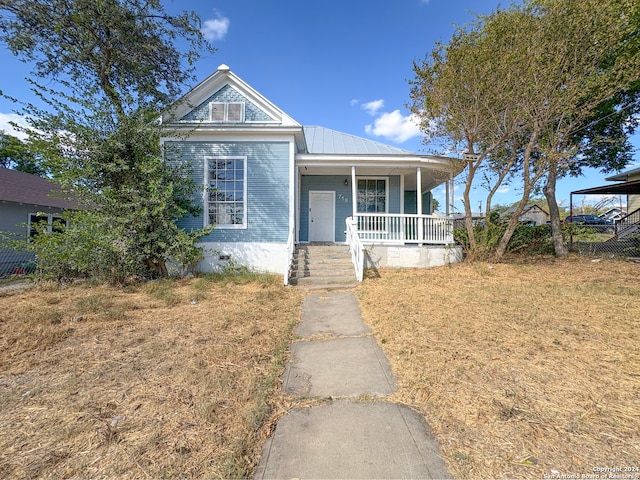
(372, 199)
(226, 192)
(372, 195)
(42, 222)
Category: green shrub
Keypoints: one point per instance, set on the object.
(531, 240)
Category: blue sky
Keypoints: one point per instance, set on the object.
(340, 64)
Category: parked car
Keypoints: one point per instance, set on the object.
(586, 220)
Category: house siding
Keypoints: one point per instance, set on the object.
(633, 201)
(411, 202)
(344, 203)
(227, 94)
(14, 218)
(267, 187)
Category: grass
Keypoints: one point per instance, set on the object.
(173, 379)
(521, 369)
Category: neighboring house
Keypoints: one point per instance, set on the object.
(477, 218)
(614, 214)
(24, 200)
(532, 214)
(270, 184)
(633, 200)
(628, 184)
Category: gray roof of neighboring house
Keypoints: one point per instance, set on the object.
(325, 141)
(528, 209)
(20, 187)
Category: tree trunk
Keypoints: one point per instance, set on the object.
(159, 267)
(559, 248)
(513, 223)
(468, 216)
(506, 169)
(529, 182)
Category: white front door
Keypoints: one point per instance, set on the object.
(322, 220)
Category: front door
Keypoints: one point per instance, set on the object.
(322, 220)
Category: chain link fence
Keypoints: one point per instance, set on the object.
(14, 263)
(603, 240)
(594, 240)
(628, 248)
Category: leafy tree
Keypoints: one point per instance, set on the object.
(525, 89)
(594, 78)
(16, 155)
(469, 91)
(116, 67)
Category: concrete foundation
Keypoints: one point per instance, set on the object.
(410, 256)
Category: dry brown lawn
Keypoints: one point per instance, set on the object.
(174, 379)
(521, 369)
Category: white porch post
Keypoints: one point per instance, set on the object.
(296, 194)
(419, 199)
(450, 195)
(354, 192)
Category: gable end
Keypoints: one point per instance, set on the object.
(223, 106)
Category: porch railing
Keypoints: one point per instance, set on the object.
(356, 248)
(400, 229)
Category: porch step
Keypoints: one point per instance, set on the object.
(322, 266)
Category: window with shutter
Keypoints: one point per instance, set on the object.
(235, 112)
(227, 112)
(217, 111)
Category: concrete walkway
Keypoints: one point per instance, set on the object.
(344, 436)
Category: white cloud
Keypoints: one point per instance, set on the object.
(504, 189)
(215, 28)
(373, 107)
(7, 128)
(394, 126)
(354, 102)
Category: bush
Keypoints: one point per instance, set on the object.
(530, 240)
(92, 246)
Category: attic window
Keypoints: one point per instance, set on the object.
(227, 112)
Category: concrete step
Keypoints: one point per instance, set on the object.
(325, 280)
(323, 270)
(317, 266)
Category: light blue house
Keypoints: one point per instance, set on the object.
(271, 184)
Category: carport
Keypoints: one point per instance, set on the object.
(623, 188)
(626, 228)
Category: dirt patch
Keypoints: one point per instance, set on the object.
(521, 369)
(172, 379)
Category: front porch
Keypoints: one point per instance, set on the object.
(375, 198)
(390, 206)
(400, 241)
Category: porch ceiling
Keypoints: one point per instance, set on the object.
(430, 178)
